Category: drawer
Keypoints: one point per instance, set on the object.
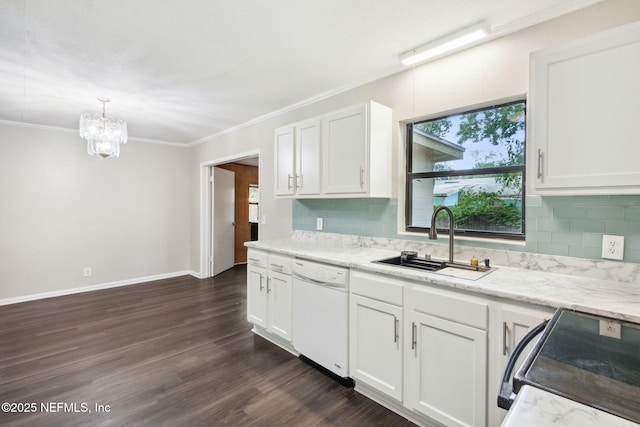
(446, 305)
(257, 258)
(280, 264)
(378, 287)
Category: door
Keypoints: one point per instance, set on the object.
(257, 295)
(345, 150)
(223, 220)
(376, 345)
(284, 166)
(446, 371)
(280, 305)
(308, 156)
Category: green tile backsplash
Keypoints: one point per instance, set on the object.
(571, 226)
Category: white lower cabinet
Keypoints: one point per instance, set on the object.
(256, 293)
(419, 350)
(375, 331)
(279, 304)
(446, 356)
(270, 297)
(511, 323)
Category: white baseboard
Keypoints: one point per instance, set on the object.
(115, 284)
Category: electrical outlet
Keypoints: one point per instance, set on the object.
(609, 328)
(87, 271)
(319, 224)
(613, 247)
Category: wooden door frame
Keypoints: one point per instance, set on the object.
(205, 204)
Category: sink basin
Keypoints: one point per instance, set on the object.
(420, 264)
(463, 271)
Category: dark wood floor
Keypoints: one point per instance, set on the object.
(171, 352)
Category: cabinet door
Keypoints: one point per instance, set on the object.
(257, 295)
(284, 162)
(376, 345)
(280, 305)
(516, 324)
(345, 151)
(446, 365)
(583, 112)
(308, 157)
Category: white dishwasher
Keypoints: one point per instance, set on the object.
(320, 314)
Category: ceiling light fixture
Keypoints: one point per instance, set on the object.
(103, 136)
(447, 44)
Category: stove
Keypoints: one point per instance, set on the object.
(590, 359)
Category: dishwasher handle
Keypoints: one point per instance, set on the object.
(506, 395)
(336, 286)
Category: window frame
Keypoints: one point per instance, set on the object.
(410, 176)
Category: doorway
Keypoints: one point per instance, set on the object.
(247, 204)
(244, 183)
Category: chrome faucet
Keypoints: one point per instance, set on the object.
(433, 233)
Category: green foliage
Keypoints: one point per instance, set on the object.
(439, 128)
(501, 126)
(483, 207)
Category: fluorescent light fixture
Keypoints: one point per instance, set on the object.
(445, 44)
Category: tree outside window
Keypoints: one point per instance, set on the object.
(472, 162)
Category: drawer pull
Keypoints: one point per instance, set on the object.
(413, 336)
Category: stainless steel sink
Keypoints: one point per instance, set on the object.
(410, 259)
(420, 264)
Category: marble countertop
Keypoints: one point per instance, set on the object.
(604, 297)
(534, 408)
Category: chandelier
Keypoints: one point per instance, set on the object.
(103, 136)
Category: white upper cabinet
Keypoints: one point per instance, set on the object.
(345, 150)
(308, 157)
(584, 104)
(284, 162)
(357, 151)
(346, 153)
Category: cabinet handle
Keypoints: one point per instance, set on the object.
(361, 177)
(395, 329)
(413, 336)
(299, 180)
(504, 339)
(261, 287)
(268, 279)
(289, 181)
(540, 158)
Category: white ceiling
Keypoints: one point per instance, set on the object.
(179, 71)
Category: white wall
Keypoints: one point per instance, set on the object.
(63, 210)
(497, 70)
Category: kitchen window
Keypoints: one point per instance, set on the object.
(473, 163)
